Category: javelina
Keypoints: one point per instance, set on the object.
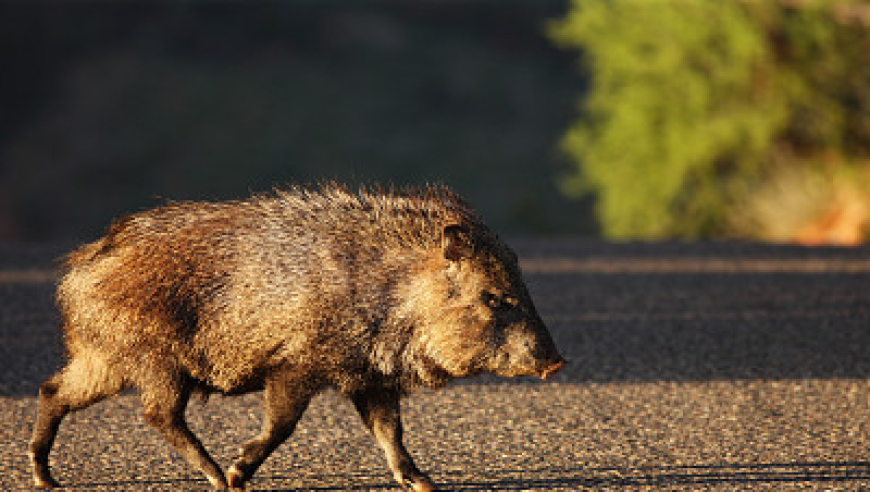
(374, 293)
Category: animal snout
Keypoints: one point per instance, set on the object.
(552, 368)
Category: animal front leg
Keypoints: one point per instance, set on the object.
(380, 412)
(284, 401)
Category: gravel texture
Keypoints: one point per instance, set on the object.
(693, 366)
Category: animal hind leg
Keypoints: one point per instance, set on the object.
(164, 401)
(86, 379)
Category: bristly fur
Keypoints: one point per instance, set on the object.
(375, 292)
(410, 216)
(302, 254)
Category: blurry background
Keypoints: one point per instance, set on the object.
(623, 118)
(111, 107)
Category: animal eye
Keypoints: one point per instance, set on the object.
(489, 299)
(495, 301)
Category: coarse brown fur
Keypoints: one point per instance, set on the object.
(372, 292)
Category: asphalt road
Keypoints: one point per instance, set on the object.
(694, 366)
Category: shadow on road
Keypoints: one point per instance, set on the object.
(734, 474)
(561, 478)
(264, 482)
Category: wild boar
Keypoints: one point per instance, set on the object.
(373, 292)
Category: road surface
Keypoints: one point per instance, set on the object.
(693, 366)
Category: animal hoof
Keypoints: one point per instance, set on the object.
(235, 478)
(423, 487)
(45, 483)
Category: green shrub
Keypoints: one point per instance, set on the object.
(695, 104)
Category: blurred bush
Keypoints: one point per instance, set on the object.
(709, 118)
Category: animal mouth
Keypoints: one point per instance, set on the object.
(552, 369)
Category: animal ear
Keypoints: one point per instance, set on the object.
(457, 242)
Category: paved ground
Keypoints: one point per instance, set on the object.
(705, 366)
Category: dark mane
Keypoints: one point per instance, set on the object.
(412, 216)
